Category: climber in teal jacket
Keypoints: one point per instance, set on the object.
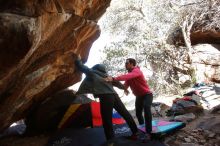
(95, 84)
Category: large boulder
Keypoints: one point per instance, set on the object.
(38, 45)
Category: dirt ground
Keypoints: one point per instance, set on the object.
(171, 140)
(41, 140)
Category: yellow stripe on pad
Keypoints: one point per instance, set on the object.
(68, 113)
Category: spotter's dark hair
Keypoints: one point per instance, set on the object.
(132, 61)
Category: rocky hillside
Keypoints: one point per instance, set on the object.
(197, 41)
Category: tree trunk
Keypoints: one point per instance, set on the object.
(187, 25)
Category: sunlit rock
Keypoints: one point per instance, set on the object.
(38, 45)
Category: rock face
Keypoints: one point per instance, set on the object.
(206, 62)
(206, 55)
(38, 44)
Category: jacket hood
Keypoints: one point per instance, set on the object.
(100, 67)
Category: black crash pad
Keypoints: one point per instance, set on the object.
(96, 137)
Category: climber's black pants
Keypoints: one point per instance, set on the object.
(107, 103)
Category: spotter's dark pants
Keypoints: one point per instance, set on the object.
(144, 103)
